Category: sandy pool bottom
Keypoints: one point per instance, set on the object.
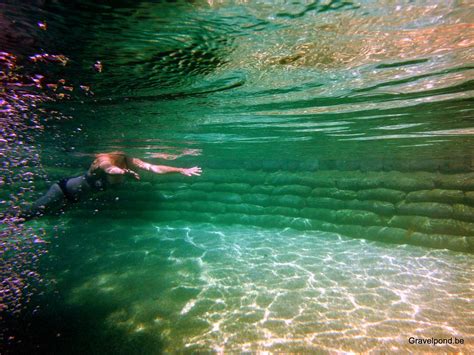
(180, 286)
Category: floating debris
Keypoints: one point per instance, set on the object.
(98, 66)
(43, 25)
(53, 58)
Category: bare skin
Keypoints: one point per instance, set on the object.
(117, 165)
(114, 167)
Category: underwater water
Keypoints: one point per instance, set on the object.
(335, 211)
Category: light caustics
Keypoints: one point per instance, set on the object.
(270, 289)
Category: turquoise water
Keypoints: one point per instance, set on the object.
(194, 286)
(335, 208)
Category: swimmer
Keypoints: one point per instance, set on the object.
(106, 170)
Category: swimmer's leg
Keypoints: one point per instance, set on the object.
(52, 201)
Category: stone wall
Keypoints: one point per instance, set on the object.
(427, 208)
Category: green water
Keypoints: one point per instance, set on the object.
(176, 286)
(335, 208)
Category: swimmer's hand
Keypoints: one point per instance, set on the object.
(191, 171)
(133, 173)
(115, 170)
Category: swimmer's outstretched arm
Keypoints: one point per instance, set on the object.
(164, 169)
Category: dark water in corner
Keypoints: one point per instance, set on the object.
(251, 86)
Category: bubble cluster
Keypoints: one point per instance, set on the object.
(21, 120)
(30, 78)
